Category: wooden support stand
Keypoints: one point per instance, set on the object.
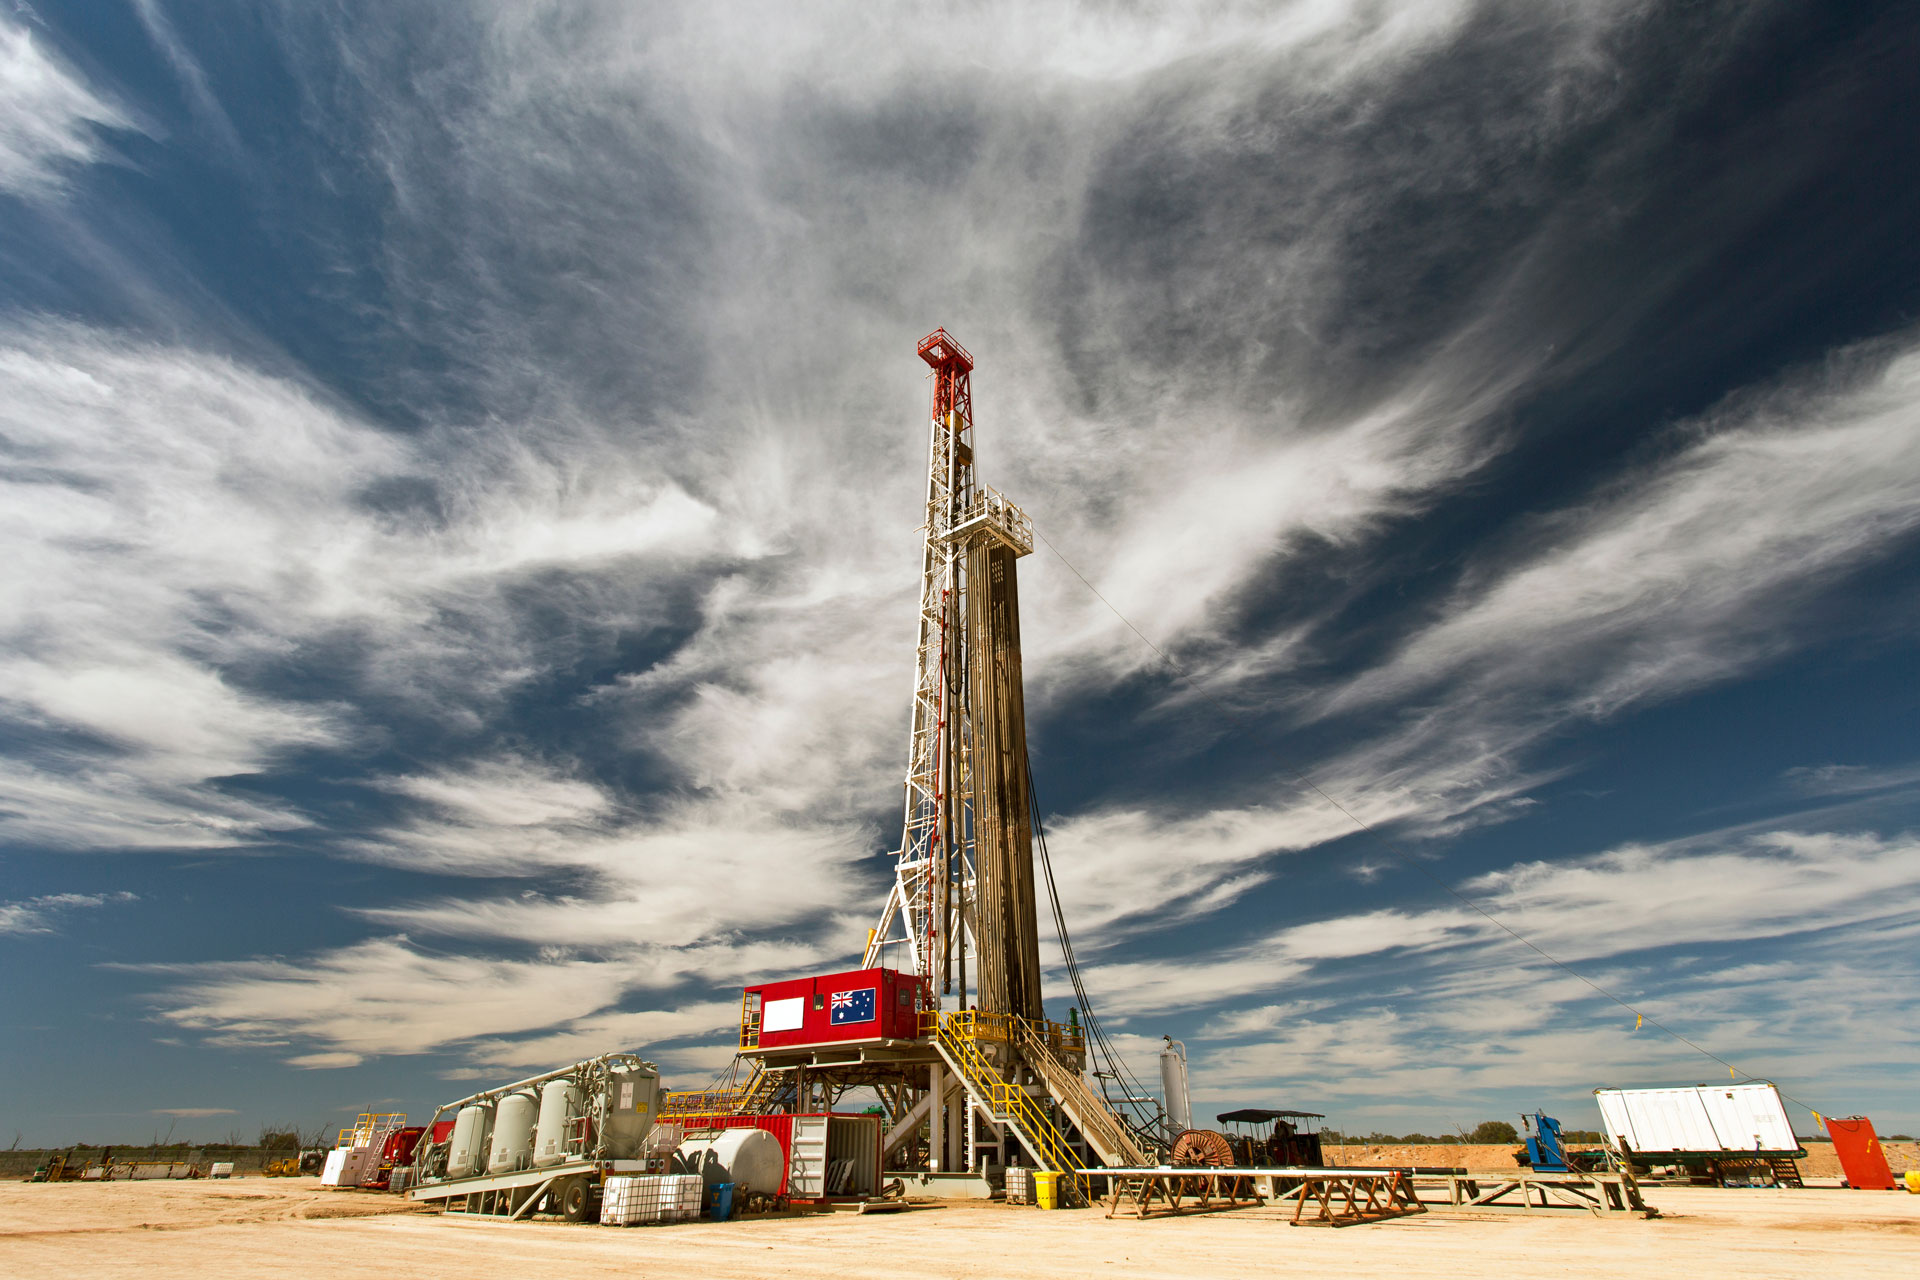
(1349, 1199)
(1178, 1191)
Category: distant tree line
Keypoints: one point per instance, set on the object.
(1486, 1133)
(276, 1137)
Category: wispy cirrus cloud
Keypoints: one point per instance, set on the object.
(1722, 887)
(50, 119)
(1697, 568)
(179, 528)
(1686, 573)
(1394, 1010)
(42, 914)
(622, 615)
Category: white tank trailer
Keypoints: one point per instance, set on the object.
(543, 1144)
(751, 1159)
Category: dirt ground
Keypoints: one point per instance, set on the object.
(292, 1226)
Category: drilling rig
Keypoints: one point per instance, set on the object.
(944, 1019)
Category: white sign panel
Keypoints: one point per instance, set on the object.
(784, 1015)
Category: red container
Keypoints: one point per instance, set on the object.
(859, 1007)
(1861, 1156)
(399, 1146)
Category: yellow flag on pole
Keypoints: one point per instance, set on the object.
(1637, 1020)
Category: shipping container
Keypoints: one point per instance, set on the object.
(829, 1155)
(862, 1006)
(1700, 1120)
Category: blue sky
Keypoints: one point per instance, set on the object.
(458, 557)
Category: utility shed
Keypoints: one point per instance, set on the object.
(1699, 1120)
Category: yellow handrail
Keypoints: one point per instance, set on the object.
(958, 1032)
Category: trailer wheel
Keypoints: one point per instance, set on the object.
(575, 1199)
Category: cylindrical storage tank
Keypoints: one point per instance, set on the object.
(513, 1124)
(750, 1159)
(559, 1103)
(1173, 1085)
(633, 1090)
(472, 1131)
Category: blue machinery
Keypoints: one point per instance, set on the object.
(1545, 1152)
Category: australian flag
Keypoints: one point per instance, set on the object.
(851, 1006)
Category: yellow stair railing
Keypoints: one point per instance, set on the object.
(748, 1099)
(959, 1034)
(1090, 1113)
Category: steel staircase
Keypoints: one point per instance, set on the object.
(1104, 1131)
(760, 1091)
(1007, 1103)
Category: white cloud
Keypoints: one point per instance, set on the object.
(509, 792)
(174, 523)
(1722, 887)
(188, 522)
(1396, 1011)
(381, 997)
(49, 117)
(1698, 568)
(193, 77)
(387, 997)
(1850, 779)
(40, 914)
(1690, 572)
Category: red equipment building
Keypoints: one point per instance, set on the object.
(857, 1007)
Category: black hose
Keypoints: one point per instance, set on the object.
(1130, 1109)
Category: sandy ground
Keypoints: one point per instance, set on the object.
(258, 1226)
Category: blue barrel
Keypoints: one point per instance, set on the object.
(720, 1201)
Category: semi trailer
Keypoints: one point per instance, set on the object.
(544, 1144)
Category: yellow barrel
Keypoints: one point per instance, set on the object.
(1046, 1189)
(1912, 1177)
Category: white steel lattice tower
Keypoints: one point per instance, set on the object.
(932, 906)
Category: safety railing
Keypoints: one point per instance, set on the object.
(1105, 1130)
(1063, 1040)
(371, 1127)
(990, 513)
(750, 1020)
(956, 1033)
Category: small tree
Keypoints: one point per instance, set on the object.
(1490, 1132)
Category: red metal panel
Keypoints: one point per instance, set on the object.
(896, 1008)
(398, 1148)
(1861, 1156)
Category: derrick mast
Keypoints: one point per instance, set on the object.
(987, 1077)
(963, 875)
